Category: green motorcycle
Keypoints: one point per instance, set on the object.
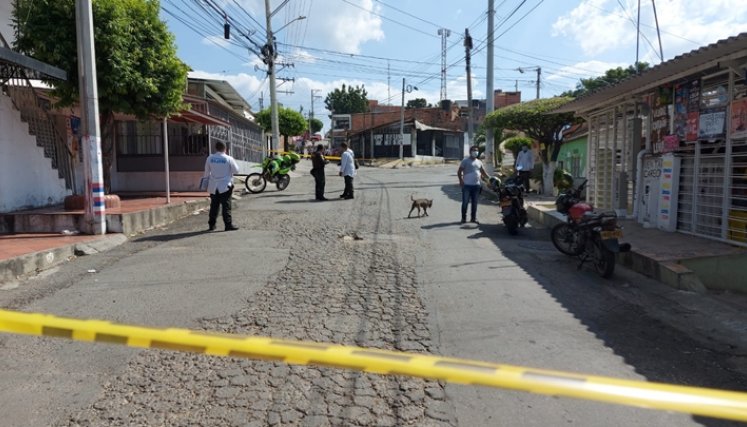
(275, 170)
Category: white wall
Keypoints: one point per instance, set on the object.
(155, 181)
(26, 177)
(5, 24)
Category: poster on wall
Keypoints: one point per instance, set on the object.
(712, 123)
(670, 143)
(686, 110)
(660, 115)
(739, 118)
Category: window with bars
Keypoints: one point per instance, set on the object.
(139, 138)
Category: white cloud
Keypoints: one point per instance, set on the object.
(329, 24)
(601, 26)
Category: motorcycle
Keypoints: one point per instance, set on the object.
(591, 236)
(511, 202)
(274, 170)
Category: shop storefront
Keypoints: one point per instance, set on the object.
(669, 147)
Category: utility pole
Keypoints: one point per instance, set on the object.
(490, 96)
(388, 82)
(539, 77)
(402, 122)
(261, 101)
(444, 33)
(468, 58)
(270, 53)
(311, 116)
(95, 210)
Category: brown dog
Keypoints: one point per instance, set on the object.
(420, 204)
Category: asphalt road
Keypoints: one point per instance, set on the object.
(357, 272)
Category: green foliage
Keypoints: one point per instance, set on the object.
(316, 125)
(515, 143)
(610, 77)
(290, 121)
(535, 119)
(417, 103)
(138, 71)
(347, 100)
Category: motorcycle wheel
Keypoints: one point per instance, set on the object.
(255, 183)
(512, 225)
(283, 181)
(604, 260)
(562, 237)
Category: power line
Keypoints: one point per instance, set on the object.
(389, 19)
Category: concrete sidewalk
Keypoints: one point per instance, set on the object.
(679, 260)
(42, 238)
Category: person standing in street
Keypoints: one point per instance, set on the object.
(347, 170)
(525, 165)
(219, 169)
(470, 171)
(317, 170)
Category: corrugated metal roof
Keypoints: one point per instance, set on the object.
(678, 67)
(229, 95)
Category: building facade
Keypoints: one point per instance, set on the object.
(669, 146)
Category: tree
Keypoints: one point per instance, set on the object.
(417, 103)
(290, 122)
(138, 72)
(316, 125)
(610, 77)
(536, 120)
(347, 100)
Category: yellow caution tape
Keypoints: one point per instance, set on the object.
(692, 400)
(307, 155)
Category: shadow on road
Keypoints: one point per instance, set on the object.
(657, 351)
(176, 236)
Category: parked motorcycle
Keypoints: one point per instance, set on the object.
(592, 236)
(511, 201)
(274, 170)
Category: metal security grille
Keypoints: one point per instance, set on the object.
(686, 191)
(602, 160)
(709, 188)
(737, 214)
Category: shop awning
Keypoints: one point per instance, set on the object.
(687, 64)
(197, 117)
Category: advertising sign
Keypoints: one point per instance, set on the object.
(739, 118)
(712, 123)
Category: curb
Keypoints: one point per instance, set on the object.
(670, 273)
(129, 224)
(21, 266)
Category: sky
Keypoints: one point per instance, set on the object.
(377, 43)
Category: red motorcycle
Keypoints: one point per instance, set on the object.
(591, 236)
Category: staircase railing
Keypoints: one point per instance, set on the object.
(34, 110)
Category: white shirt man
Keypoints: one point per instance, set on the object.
(525, 160)
(347, 170)
(525, 165)
(219, 169)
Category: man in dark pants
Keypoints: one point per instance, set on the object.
(219, 169)
(317, 170)
(347, 170)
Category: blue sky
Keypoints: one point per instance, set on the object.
(357, 41)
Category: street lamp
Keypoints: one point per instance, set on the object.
(408, 88)
(269, 52)
(539, 75)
